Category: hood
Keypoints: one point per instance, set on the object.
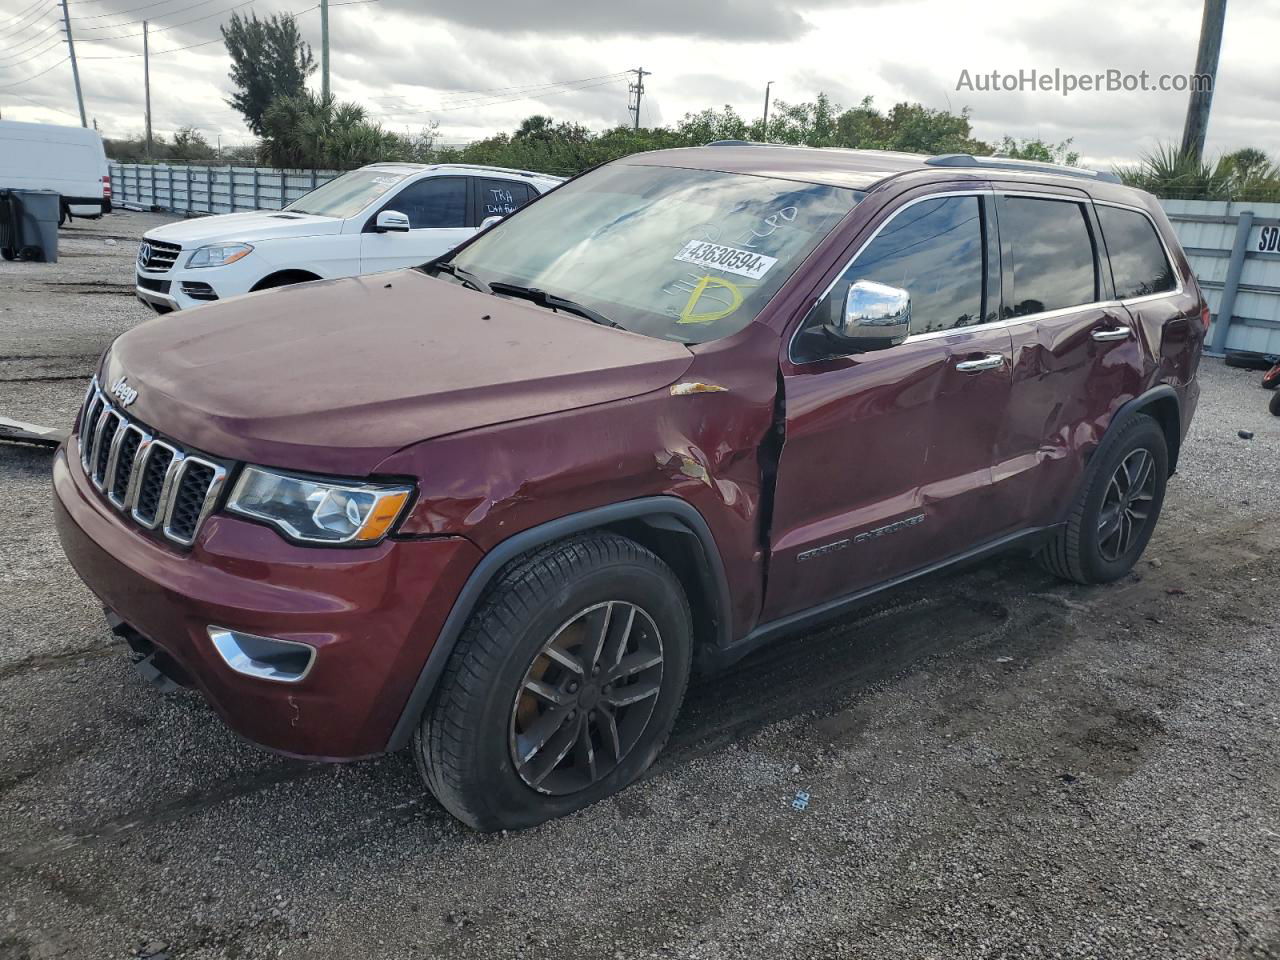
(244, 228)
(335, 376)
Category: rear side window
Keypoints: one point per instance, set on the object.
(501, 197)
(433, 203)
(1052, 253)
(1138, 262)
(932, 249)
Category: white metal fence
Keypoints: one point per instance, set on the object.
(199, 189)
(1234, 249)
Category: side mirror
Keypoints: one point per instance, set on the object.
(875, 316)
(488, 222)
(391, 221)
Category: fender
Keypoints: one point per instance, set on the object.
(665, 512)
(1160, 392)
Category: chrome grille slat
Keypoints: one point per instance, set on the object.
(158, 484)
(158, 256)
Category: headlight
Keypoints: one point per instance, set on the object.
(219, 255)
(319, 511)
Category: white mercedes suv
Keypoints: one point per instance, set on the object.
(381, 217)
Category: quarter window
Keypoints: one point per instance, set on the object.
(433, 203)
(1052, 252)
(933, 249)
(1138, 262)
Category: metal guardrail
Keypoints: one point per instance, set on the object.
(1234, 249)
(200, 189)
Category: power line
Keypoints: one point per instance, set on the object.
(22, 15)
(34, 75)
(116, 13)
(154, 53)
(169, 26)
(34, 23)
(520, 86)
(42, 106)
(35, 39)
(54, 42)
(500, 101)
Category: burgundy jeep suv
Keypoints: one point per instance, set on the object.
(495, 508)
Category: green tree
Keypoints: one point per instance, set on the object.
(190, 144)
(310, 131)
(269, 60)
(1036, 149)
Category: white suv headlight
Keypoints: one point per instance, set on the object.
(319, 511)
(219, 254)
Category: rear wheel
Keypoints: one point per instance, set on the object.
(1275, 403)
(563, 687)
(1117, 507)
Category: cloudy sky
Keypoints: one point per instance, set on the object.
(479, 66)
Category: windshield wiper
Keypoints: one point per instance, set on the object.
(466, 276)
(550, 300)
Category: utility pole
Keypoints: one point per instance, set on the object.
(766, 109)
(1197, 125)
(324, 49)
(75, 70)
(146, 82)
(637, 88)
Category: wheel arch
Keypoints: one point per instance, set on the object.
(282, 278)
(672, 528)
(1162, 404)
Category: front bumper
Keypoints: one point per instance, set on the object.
(372, 615)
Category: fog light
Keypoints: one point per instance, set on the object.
(284, 661)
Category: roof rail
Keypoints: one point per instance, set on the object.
(731, 143)
(1009, 163)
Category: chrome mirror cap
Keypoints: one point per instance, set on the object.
(875, 316)
(391, 221)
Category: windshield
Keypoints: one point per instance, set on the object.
(346, 195)
(688, 255)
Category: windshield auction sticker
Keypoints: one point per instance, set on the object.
(744, 263)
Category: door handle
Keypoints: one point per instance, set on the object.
(1115, 333)
(991, 361)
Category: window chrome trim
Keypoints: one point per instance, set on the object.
(1082, 200)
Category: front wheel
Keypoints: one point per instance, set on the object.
(1116, 509)
(1275, 404)
(563, 687)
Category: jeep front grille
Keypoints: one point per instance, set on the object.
(157, 256)
(159, 485)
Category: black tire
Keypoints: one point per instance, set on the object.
(1274, 406)
(1246, 361)
(64, 214)
(1078, 550)
(8, 253)
(466, 746)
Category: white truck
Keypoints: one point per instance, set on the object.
(48, 156)
(384, 216)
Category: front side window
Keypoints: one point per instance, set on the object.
(436, 202)
(1138, 262)
(933, 249)
(347, 195)
(687, 255)
(1052, 252)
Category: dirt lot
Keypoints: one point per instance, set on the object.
(997, 764)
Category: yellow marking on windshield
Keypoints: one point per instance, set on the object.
(691, 314)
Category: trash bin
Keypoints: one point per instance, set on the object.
(29, 225)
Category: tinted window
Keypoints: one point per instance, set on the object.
(933, 250)
(500, 197)
(1052, 255)
(1138, 263)
(436, 202)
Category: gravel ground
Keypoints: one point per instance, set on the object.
(996, 764)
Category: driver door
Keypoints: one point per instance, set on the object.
(886, 465)
(440, 218)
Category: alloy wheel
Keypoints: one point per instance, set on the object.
(1126, 506)
(587, 698)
